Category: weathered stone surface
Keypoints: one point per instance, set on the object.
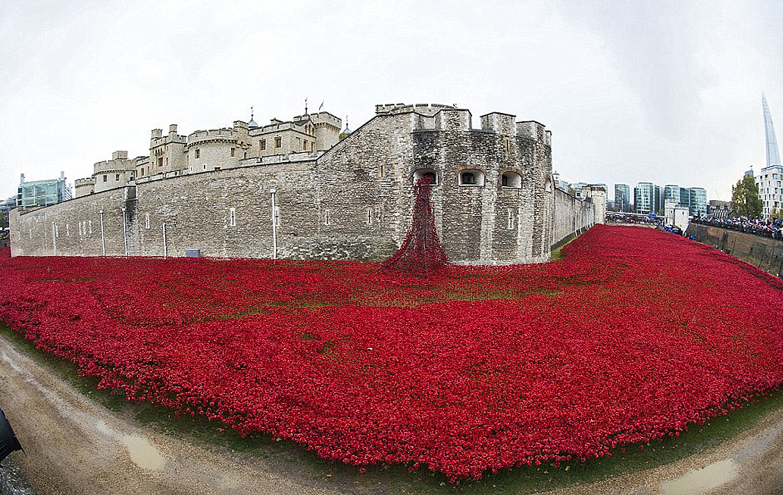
(352, 202)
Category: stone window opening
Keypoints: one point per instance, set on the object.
(262, 145)
(204, 167)
(244, 155)
(510, 219)
(369, 216)
(471, 178)
(511, 180)
(198, 153)
(278, 142)
(382, 171)
(104, 178)
(425, 172)
(233, 152)
(160, 161)
(117, 177)
(327, 218)
(232, 217)
(147, 221)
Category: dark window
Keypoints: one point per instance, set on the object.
(262, 144)
(104, 178)
(233, 150)
(468, 178)
(278, 142)
(431, 176)
(198, 153)
(504, 180)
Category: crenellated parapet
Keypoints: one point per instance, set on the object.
(225, 135)
(429, 109)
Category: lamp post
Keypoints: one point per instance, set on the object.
(103, 238)
(124, 232)
(273, 192)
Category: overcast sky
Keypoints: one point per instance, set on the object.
(668, 92)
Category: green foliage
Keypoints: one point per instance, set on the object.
(777, 213)
(745, 198)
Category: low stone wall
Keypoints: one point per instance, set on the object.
(762, 252)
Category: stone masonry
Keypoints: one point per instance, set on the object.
(493, 193)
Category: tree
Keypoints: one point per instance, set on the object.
(777, 213)
(745, 198)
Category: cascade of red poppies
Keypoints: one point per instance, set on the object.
(421, 251)
(634, 335)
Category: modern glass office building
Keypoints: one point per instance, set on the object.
(622, 197)
(37, 193)
(672, 192)
(697, 201)
(647, 198)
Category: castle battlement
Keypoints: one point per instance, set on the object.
(428, 109)
(320, 118)
(223, 134)
(158, 139)
(85, 181)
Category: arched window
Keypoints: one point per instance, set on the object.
(511, 180)
(425, 173)
(471, 178)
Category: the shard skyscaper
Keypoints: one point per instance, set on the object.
(773, 155)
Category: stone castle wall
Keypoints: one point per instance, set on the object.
(352, 202)
(571, 217)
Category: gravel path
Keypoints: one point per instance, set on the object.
(75, 446)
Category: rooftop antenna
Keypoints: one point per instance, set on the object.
(306, 106)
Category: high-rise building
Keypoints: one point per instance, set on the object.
(697, 201)
(685, 196)
(622, 197)
(647, 198)
(672, 192)
(770, 177)
(42, 192)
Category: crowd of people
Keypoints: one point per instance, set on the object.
(757, 226)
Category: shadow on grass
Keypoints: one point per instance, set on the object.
(288, 459)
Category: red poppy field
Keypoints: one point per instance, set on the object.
(631, 337)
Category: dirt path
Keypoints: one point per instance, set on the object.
(75, 446)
